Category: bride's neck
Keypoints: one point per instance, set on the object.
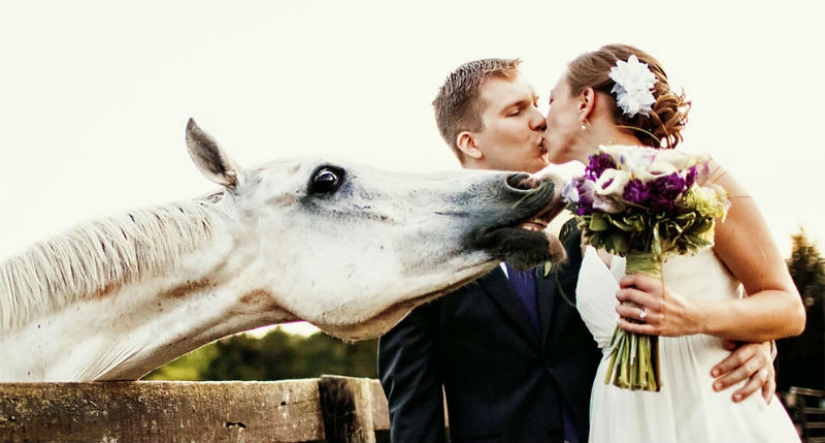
(601, 135)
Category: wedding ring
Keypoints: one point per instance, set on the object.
(763, 374)
(642, 314)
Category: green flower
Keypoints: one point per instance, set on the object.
(708, 201)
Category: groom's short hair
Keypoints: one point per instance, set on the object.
(458, 106)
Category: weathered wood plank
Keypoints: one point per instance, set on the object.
(350, 407)
(380, 407)
(150, 411)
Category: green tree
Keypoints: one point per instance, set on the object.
(801, 359)
(189, 367)
(276, 356)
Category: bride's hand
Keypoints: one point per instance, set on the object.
(654, 309)
(748, 361)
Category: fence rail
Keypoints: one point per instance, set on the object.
(330, 408)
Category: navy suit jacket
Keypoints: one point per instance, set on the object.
(502, 380)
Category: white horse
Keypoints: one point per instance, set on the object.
(347, 248)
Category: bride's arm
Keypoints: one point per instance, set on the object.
(773, 308)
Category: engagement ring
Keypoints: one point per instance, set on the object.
(642, 314)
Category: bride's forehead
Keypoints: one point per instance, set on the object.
(562, 86)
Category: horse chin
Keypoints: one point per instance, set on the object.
(385, 320)
(523, 248)
(368, 329)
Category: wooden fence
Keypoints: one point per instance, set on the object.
(807, 407)
(326, 409)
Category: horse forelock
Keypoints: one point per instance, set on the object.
(95, 256)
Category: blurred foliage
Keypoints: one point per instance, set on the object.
(277, 355)
(801, 359)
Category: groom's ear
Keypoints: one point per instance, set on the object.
(466, 143)
(587, 102)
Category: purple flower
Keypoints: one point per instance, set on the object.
(598, 164)
(659, 194)
(636, 192)
(670, 186)
(579, 195)
(690, 177)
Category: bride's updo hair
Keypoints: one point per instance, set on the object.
(663, 126)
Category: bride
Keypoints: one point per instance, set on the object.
(739, 289)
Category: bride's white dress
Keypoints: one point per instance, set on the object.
(686, 409)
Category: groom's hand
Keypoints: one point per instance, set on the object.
(748, 361)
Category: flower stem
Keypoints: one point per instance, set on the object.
(634, 358)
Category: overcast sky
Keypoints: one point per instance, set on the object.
(95, 95)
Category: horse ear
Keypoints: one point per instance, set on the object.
(210, 159)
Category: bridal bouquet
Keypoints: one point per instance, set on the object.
(644, 204)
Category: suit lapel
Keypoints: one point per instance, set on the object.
(555, 307)
(498, 287)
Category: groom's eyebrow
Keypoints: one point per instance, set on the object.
(516, 104)
(521, 103)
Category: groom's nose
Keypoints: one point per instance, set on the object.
(537, 121)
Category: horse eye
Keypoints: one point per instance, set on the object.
(326, 180)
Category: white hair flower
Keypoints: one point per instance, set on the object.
(634, 86)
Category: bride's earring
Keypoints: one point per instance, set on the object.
(584, 125)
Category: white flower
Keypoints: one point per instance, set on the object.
(646, 163)
(570, 192)
(616, 152)
(608, 191)
(635, 158)
(655, 170)
(608, 204)
(680, 159)
(629, 157)
(612, 182)
(634, 86)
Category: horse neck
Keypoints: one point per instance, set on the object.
(130, 329)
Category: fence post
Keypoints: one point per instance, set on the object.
(349, 406)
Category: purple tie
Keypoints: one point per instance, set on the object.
(524, 283)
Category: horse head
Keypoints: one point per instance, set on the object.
(352, 249)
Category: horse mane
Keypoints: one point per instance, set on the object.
(95, 256)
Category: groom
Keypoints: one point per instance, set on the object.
(509, 366)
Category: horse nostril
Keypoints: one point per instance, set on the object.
(521, 181)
